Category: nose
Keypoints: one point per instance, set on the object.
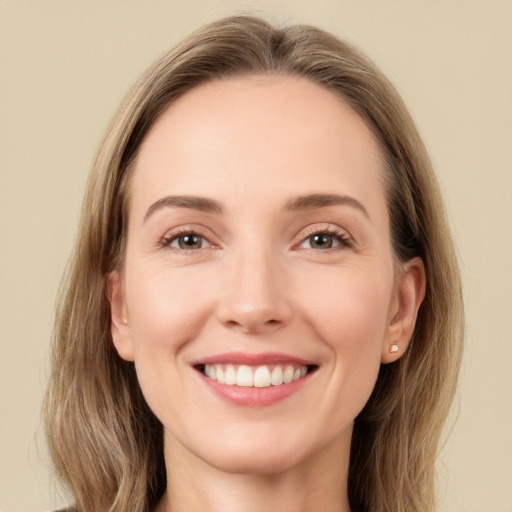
(255, 299)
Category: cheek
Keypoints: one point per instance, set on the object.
(166, 310)
(350, 317)
(165, 307)
(351, 307)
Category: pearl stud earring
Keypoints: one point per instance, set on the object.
(393, 348)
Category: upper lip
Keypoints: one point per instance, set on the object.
(242, 358)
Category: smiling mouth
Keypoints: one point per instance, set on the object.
(262, 376)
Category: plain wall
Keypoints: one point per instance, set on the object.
(65, 66)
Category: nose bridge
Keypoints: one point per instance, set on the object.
(255, 297)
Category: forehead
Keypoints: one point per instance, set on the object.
(260, 134)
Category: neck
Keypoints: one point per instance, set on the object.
(318, 483)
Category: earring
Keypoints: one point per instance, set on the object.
(393, 348)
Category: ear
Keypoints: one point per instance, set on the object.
(409, 294)
(119, 328)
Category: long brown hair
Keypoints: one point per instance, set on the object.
(106, 444)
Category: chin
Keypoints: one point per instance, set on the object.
(262, 452)
(257, 461)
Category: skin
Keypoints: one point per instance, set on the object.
(257, 283)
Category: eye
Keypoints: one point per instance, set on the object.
(320, 241)
(189, 241)
(324, 240)
(185, 241)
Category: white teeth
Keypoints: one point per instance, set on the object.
(258, 377)
(220, 376)
(288, 375)
(244, 377)
(230, 375)
(262, 377)
(277, 376)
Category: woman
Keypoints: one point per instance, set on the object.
(263, 308)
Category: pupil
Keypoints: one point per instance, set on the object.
(190, 242)
(321, 240)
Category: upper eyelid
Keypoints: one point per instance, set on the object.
(313, 229)
(171, 234)
(184, 229)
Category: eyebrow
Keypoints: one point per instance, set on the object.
(204, 204)
(321, 200)
(192, 202)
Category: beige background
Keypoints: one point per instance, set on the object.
(65, 65)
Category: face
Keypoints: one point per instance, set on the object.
(258, 296)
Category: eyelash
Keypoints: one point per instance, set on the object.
(167, 240)
(337, 234)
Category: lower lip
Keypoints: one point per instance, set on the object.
(252, 396)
